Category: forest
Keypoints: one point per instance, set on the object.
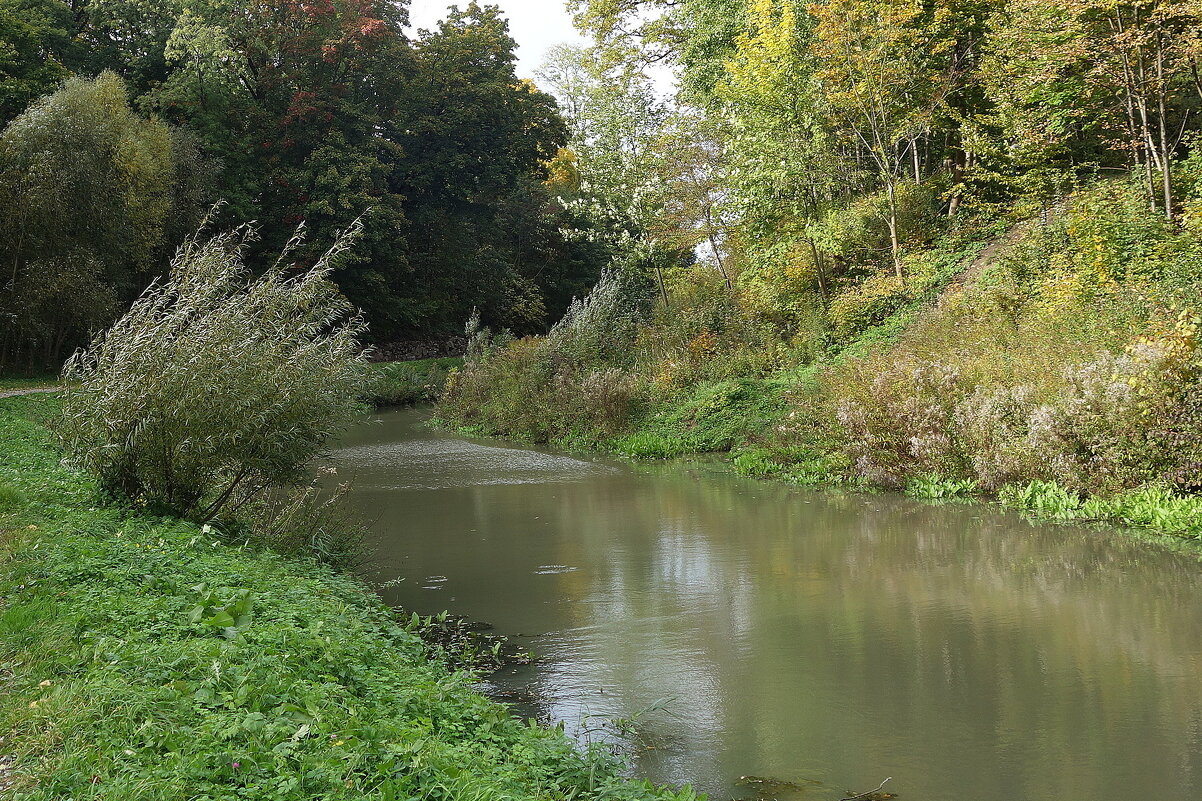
(126, 122)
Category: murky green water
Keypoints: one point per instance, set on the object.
(801, 635)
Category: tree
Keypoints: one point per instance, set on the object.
(873, 67)
(474, 138)
(617, 119)
(35, 51)
(784, 166)
(88, 192)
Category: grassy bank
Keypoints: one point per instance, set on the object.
(142, 657)
(1048, 358)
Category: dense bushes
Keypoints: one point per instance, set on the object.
(539, 388)
(1070, 359)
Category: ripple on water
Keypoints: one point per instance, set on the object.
(447, 463)
(553, 570)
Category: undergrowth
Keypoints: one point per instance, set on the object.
(409, 383)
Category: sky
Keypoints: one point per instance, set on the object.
(536, 25)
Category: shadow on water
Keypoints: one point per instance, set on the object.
(826, 640)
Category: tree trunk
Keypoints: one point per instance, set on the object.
(958, 160)
(895, 245)
(663, 289)
(1166, 157)
(819, 269)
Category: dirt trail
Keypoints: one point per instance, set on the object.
(992, 251)
(12, 393)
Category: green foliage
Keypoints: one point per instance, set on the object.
(1045, 499)
(156, 662)
(35, 47)
(409, 383)
(717, 417)
(933, 487)
(214, 386)
(88, 192)
(757, 462)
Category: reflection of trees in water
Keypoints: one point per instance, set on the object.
(1022, 650)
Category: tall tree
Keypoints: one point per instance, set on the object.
(36, 51)
(86, 202)
(879, 86)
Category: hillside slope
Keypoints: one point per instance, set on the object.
(1050, 361)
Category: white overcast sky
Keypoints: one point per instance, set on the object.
(536, 25)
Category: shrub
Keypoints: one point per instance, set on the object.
(604, 400)
(215, 387)
(900, 421)
(866, 304)
(601, 326)
(1124, 420)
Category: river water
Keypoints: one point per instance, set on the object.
(828, 640)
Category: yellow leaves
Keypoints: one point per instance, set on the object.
(563, 174)
(766, 56)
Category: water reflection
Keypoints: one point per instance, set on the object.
(804, 635)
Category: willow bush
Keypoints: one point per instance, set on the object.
(216, 387)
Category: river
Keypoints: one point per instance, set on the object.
(826, 639)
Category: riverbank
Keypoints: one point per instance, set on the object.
(143, 658)
(1051, 363)
(747, 425)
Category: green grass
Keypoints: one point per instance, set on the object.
(142, 658)
(713, 418)
(409, 383)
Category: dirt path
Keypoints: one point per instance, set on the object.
(12, 393)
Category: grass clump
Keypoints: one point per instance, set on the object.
(143, 659)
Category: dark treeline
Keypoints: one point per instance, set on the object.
(125, 120)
